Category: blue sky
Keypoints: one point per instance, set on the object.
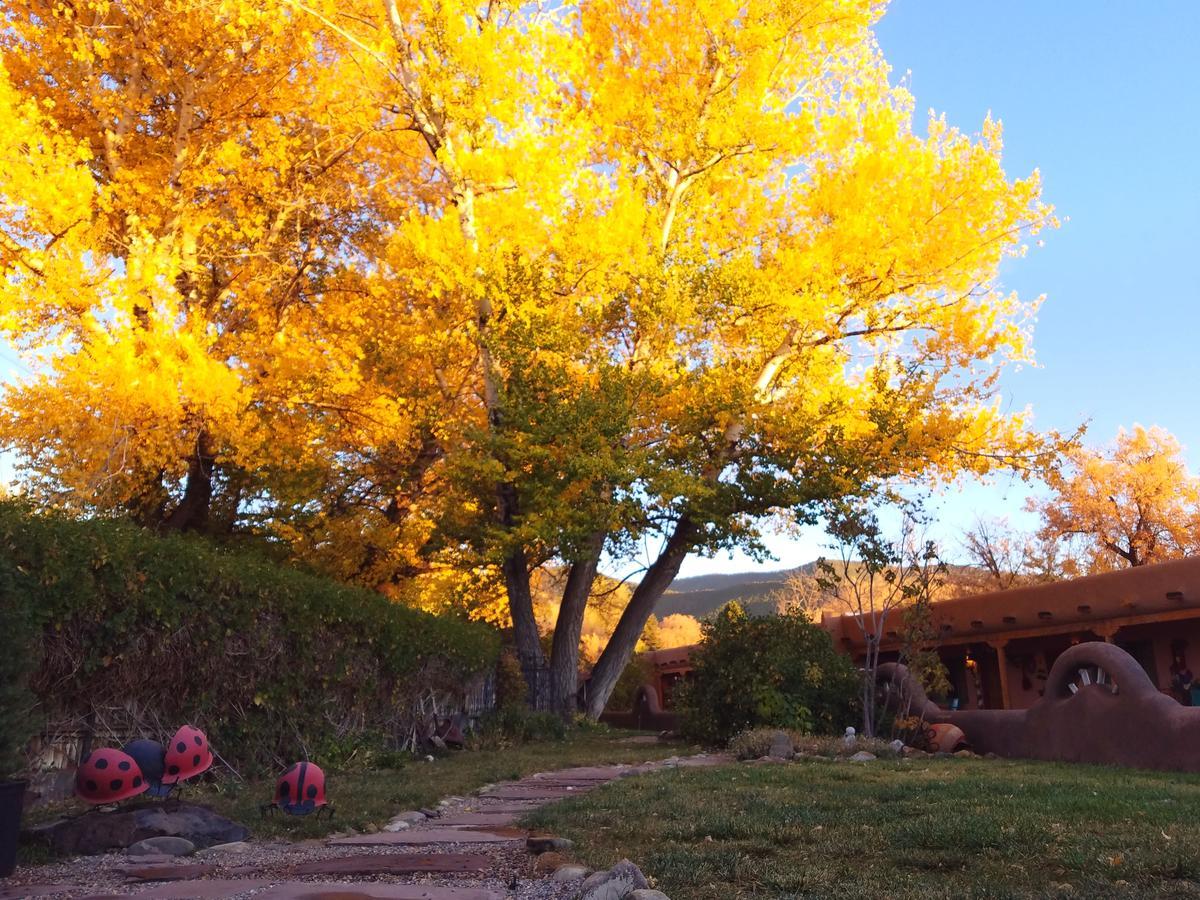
(1103, 96)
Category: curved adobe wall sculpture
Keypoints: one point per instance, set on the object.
(1099, 707)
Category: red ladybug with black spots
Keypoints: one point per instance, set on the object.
(109, 776)
(187, 755)
(301, 789)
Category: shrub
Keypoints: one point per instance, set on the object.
(756, 743)
(544, 726)
(509, 725)
(269, 660)
(511, 688)
(780, 671)
(830, 746)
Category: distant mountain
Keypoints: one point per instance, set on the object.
(704, 594)
(759, 592)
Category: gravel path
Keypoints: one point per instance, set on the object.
(502, 869)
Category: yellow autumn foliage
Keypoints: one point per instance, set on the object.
(442, 293)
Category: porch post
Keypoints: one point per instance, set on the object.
(1002, 664)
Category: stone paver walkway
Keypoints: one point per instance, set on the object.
(470, 851)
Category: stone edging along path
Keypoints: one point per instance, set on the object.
(468, 848)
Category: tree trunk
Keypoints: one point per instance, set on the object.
(629, 629)
(869, 696)
(192, 512)
(525, 630)
(564, 652)
(520, 604)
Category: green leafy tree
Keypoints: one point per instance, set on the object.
(918, 647)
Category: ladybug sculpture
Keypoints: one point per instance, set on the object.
(109, 776)
(151, 759)
(187, 755)
(301, 790)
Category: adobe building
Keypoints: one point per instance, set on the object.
(998, 647)
(654, 705)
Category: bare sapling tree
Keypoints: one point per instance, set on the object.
(873, 579)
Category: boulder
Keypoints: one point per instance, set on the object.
(616, 883)
(781, 746)
(97, 832)
(403, 820)
(647, 894)
(863, 756)
(166, 845)
(570, 872)
(897, 745)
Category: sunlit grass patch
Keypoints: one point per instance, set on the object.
(927, 828)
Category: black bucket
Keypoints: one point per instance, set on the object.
(12, 798)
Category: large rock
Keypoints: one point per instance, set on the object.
(616, 883)
(403, 820)
(647, 894)
(570, 872)
(97, 832)
(781, 746)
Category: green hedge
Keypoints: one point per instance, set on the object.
(16, 662)
(269, 660)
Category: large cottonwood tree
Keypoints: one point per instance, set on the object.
(598, 278)
(1131, 503)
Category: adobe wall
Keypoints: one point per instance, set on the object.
(1113, 715)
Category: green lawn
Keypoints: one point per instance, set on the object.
(927, 828)
(372, 797)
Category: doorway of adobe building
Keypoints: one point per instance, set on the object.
(1143, 652)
